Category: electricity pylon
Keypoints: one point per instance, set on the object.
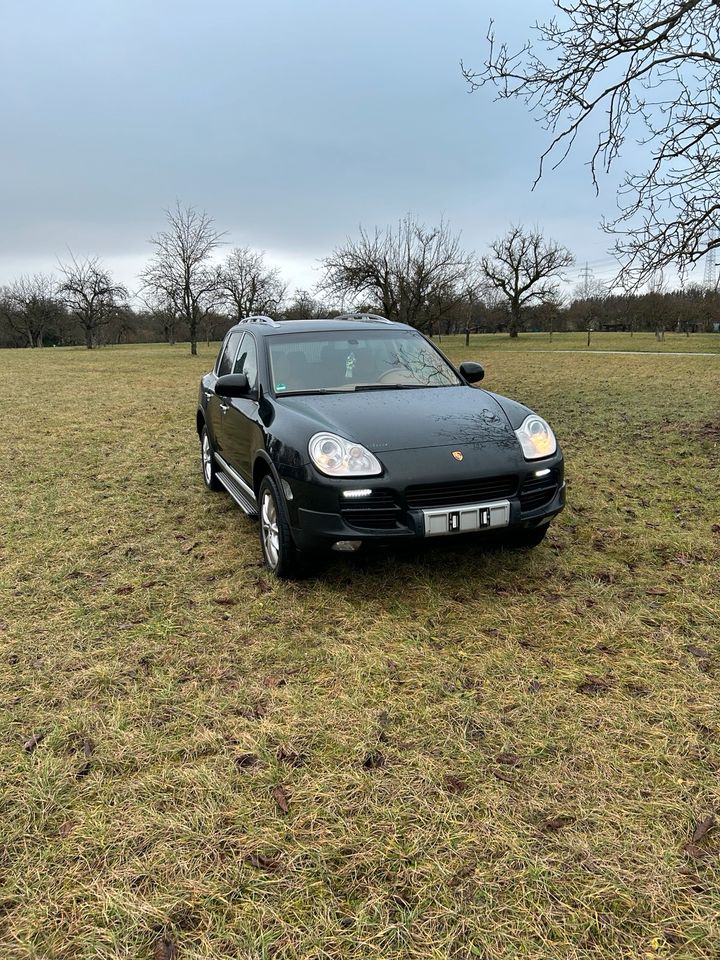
(710, 278)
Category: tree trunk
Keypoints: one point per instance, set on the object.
(514, 325)
(192, 323)
(89, 338)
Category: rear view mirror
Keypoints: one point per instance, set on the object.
(473, 372)
(232, 385)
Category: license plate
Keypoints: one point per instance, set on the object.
(444, 521)
(454, 519)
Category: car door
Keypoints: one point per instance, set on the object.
(241, 422)
(217, 407)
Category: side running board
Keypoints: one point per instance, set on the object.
(239, 491)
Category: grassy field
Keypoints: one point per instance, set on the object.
(447, 754)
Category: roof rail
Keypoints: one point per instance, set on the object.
(259, 318)
(357, 315)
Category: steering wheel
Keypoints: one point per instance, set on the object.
(395, 375)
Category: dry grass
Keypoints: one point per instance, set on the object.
(445, 754)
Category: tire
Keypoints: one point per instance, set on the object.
(278, 548)
(207, 462)
(526, 539)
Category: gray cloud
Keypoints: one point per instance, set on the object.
(289, 122)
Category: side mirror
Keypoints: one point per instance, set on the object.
(232, 385)
(473, 372)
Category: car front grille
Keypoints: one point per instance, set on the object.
(538, 491)
(375, 512)
(425, 495)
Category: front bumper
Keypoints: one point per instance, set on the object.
(320, 516)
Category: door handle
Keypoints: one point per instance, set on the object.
(224, 407)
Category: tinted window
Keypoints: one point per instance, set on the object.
(247, 361)
(225, 364)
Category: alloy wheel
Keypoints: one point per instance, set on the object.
(270, 529)
(206, 458)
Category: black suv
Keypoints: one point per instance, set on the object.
(356, 428)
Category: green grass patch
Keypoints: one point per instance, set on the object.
(431, 754)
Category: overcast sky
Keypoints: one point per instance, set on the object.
(289, 122)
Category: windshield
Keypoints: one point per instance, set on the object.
(368, 360)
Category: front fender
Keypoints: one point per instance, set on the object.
(263, 464)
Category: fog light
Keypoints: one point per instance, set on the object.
(347, 546)
(542, 473)
(287, 490)
(351, 494)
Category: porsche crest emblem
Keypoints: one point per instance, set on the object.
(458, 455)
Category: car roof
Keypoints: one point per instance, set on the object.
(343, 324)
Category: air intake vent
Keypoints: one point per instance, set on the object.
(376, 512)
(538, 491)
(424, 495)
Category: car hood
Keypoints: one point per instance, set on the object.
(386, 420)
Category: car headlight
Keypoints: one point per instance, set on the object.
(336, 457)
(536, 438)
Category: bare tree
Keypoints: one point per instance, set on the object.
(414, 274)
(589, 295)
(304, 306)
(249, 285)
(123, 327)
(182, 272)
(649, 71)
(526, 269)
(164, 314)
(168, 319)
(90, 294)
(30, 305)
(549, 312)
(214, 325)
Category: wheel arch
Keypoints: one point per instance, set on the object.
(199, 421)
(263, 466)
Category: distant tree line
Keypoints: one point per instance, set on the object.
(409, 272)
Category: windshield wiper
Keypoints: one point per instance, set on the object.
(305, 393)
(389, 386)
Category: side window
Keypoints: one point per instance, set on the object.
(221, 354)
(225, 363)
(247, 361)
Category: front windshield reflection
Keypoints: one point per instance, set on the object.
(342, 362)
